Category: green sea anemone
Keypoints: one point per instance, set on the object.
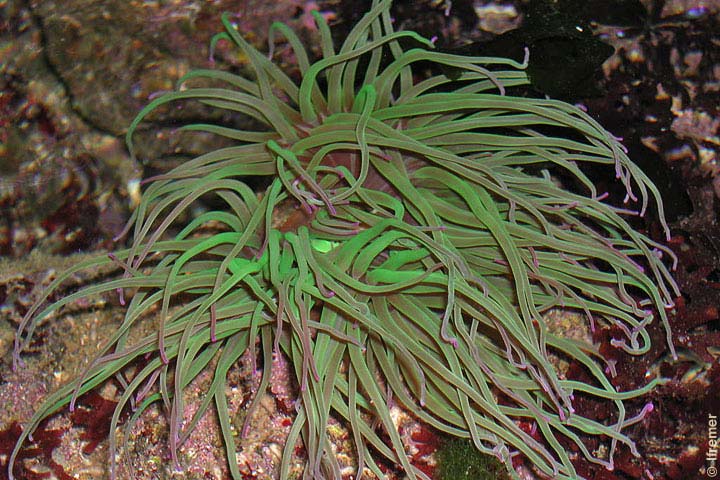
(413, 231)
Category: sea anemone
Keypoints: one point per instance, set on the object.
(413, 224)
